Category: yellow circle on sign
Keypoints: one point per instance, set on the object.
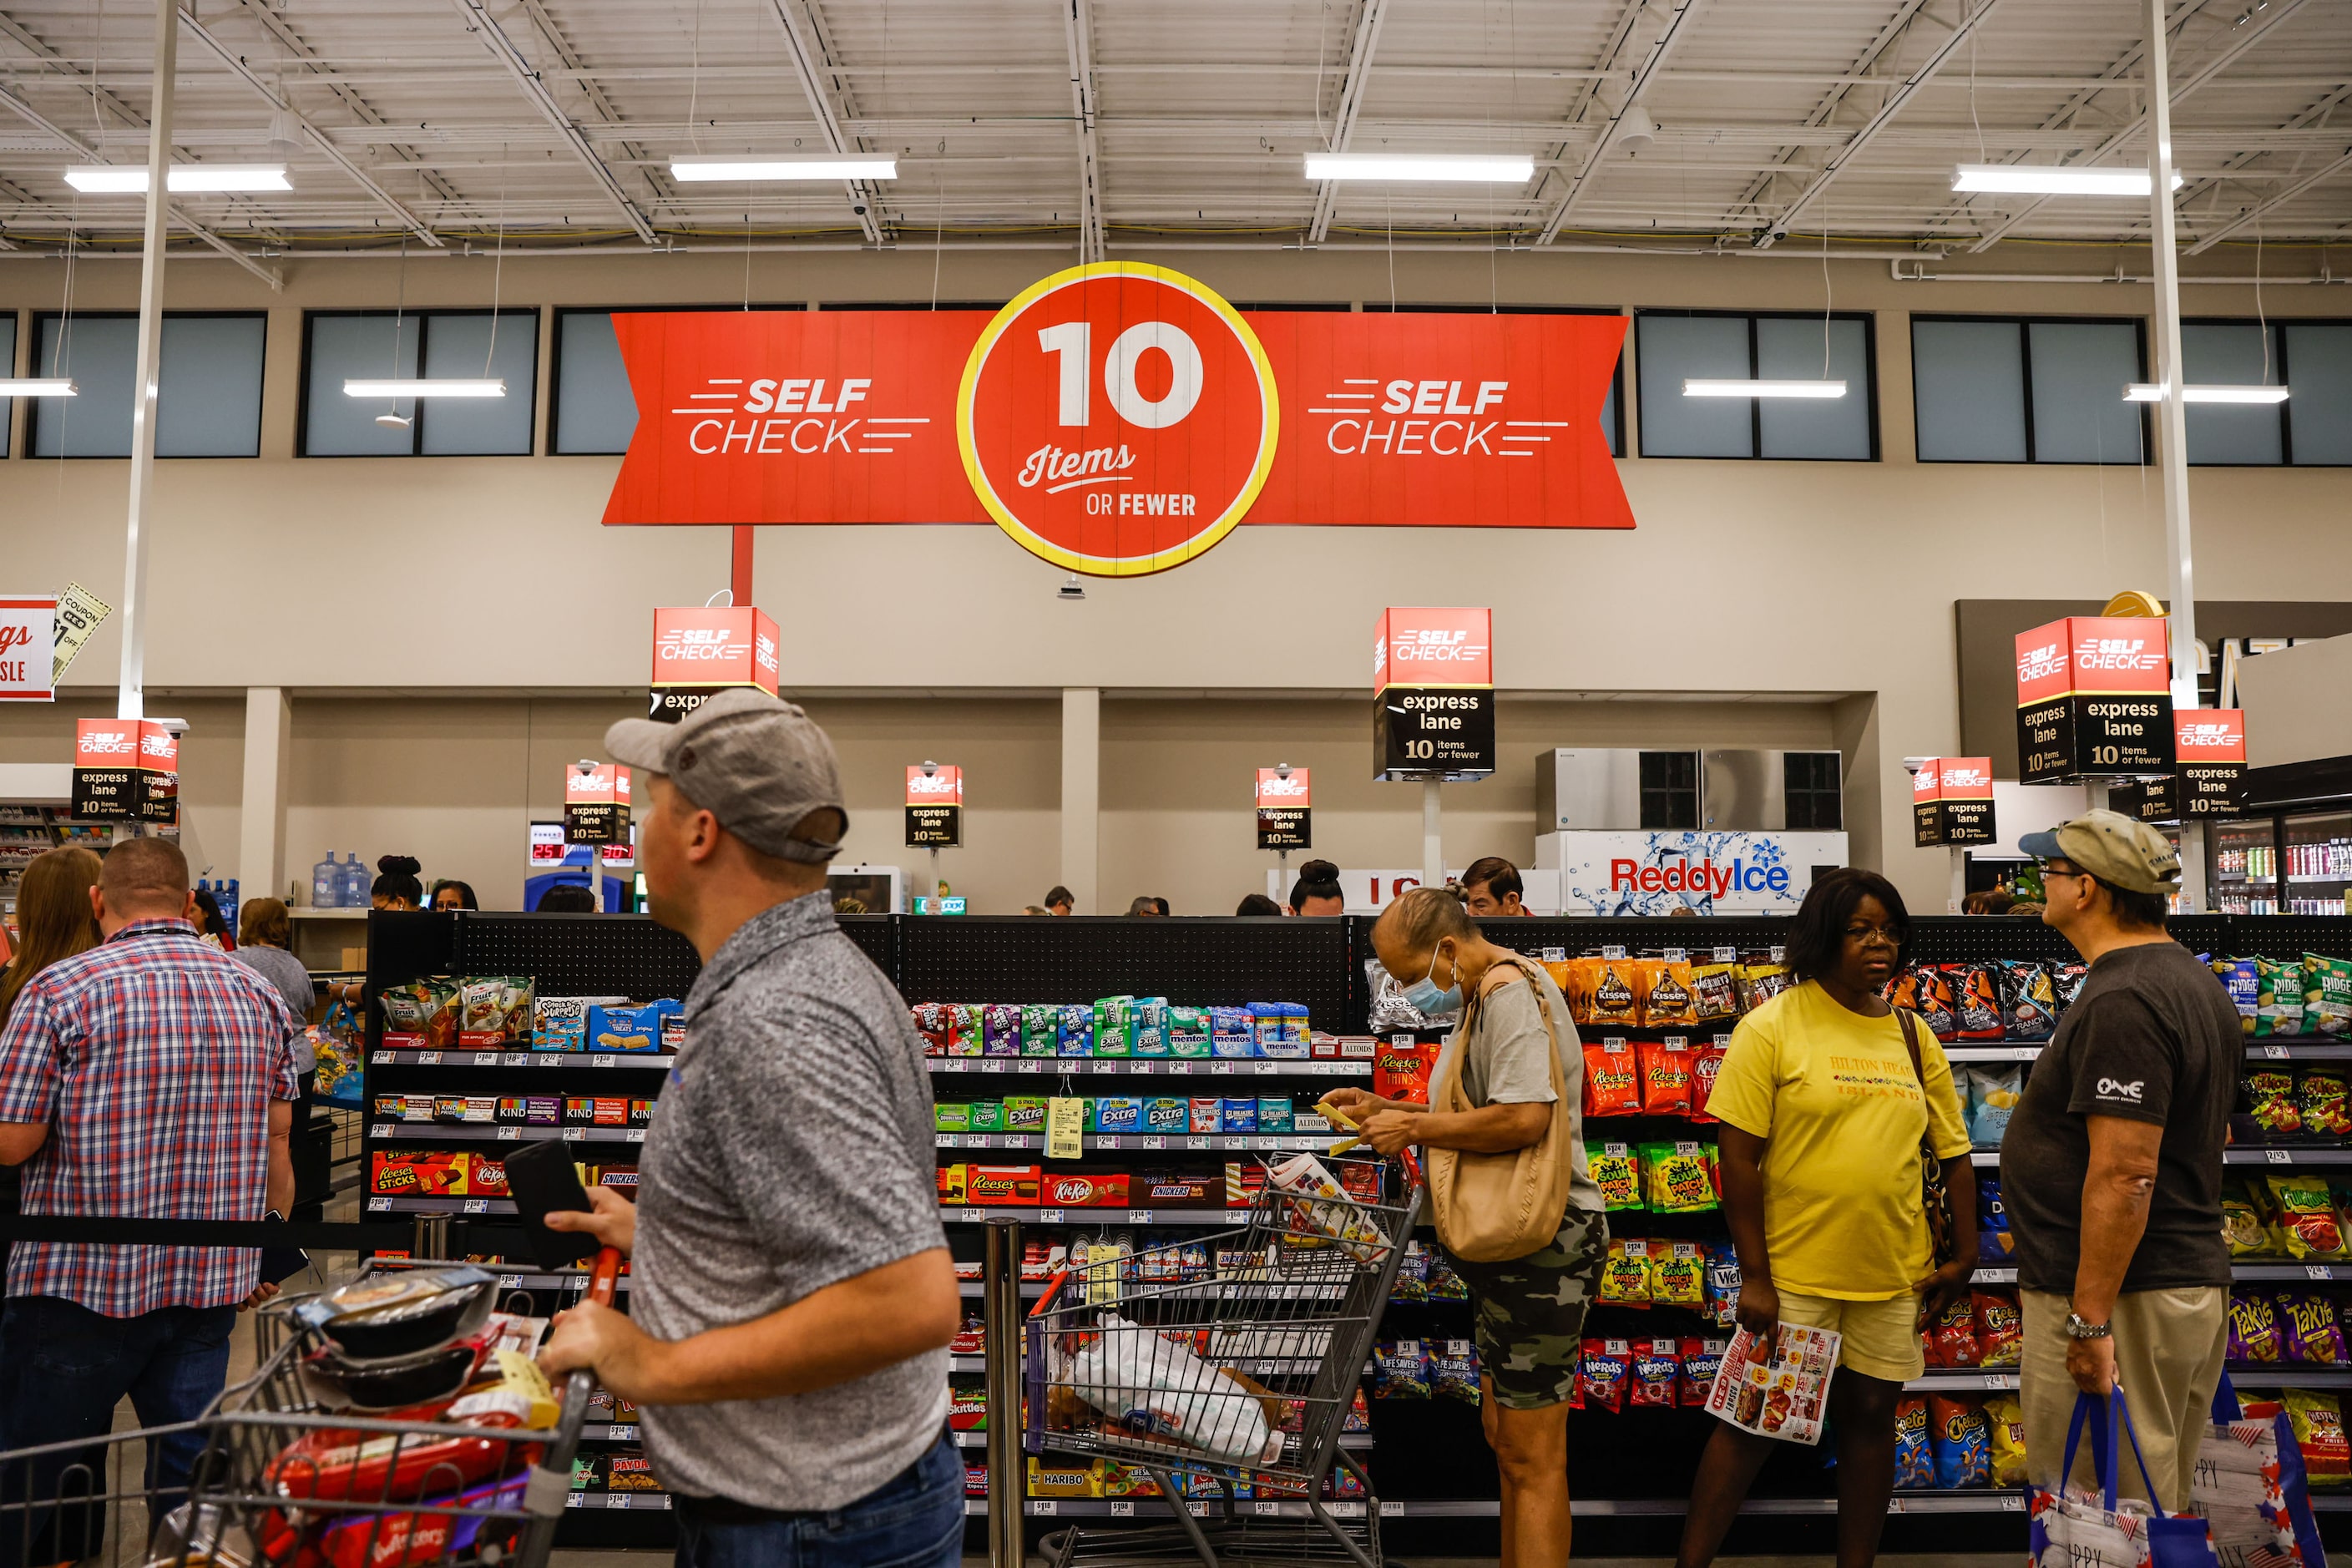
(1199, 544)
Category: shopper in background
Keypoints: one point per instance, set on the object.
(1257, 904)
(2111, 1167)
(1058, 901)
(1492, 887)
(1160, 907)
(1144, 904)
(786, 1342)
(265, 935)
(149, 1076)
(1316, 891)
(451, 894)
(397, 887)
(1530, 1311)
(1988, 901)
(210, 924)
(1823, 1114)
(53, 921)
(567, 899)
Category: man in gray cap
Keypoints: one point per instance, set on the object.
(2111, 1167)
(791, 1293)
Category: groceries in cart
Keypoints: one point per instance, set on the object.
(1321, 1207)
(1147, 1384)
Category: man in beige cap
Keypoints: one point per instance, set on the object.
(792, 1296)
(2111, 1167)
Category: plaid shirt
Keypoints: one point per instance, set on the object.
(153, 1057)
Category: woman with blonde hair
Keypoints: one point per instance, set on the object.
(54, 920)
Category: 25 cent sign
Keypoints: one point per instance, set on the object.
(1117, 418)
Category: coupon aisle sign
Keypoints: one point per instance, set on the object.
(701, 652)
(1951, 801)
(125, 770)
(934, 806)
(1284, 809)
(28, 629)
(2094, 699)
(1120, 418)
(1434, 694)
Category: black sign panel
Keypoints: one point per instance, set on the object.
(2147, 800)
(1285, 827)
(934, 826)
(1433, 732)
(158, 797)
(2211, 789)
(106, 793)
(668, 704)
(1943, 822)
(595, 822)
(2095, 736)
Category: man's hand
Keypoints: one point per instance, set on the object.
(2092, 1364)
(611, 1219)
(1388, 1130)
(606, 1343)
(261, 1292)
(1940, 1289)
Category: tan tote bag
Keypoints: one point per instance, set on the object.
(1490, 1207)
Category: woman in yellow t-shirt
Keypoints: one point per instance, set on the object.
(1822, 1118)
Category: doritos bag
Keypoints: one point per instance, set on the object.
(1976, 1002)
(1923, 989)
(1665, 1068)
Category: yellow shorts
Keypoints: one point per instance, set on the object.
(1881, 1338)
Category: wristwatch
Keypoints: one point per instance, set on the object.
(2078, 1330)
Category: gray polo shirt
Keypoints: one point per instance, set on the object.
(790, 1149)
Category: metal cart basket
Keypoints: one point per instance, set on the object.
(1218, 1373)
(275, 1480)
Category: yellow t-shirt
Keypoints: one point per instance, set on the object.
(1832, 1094)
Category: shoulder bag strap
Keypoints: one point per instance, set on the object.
(1935, 1196)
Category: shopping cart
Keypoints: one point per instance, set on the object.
(1217, 1375)
(275, 1479)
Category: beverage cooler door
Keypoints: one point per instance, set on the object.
(2317, 860)
(2245, 880)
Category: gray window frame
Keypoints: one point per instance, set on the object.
(424, 404)
(2025, 377)
(1756, 453)
(32, 349)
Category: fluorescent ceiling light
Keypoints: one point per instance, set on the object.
(2048, 179)
(114, 179)
(438, 386)
(1763, 388)
(2144, 392)
(37, 386)
(817, 167)
(1510, 169)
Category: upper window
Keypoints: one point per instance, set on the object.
(7, 358)
(1991, 389)
(1677, 346)
(208, 391)
(590, 407)
(2312, 359)
(439, 346)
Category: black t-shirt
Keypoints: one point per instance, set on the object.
(2152, 1037)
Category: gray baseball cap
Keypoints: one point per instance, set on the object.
(756, 762)
(2113, 848)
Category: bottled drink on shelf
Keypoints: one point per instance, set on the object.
(355, 883)
(327, 884)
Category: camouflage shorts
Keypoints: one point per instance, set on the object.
(1530, 1312)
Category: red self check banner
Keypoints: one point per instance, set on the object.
(1120, 418)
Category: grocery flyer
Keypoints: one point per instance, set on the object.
(1780, 1395)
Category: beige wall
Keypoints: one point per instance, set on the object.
(2298, 704)
(1830, 583)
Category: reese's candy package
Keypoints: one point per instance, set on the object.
(1667, 1002)
(1702, 1358)
(2001, 1330)
(2242, 978)
(1613, 1000)
(1961, 1440)
(1915, 1457)
(1923, 989)
(1626, 1272)
(1681, 1177)
(1677, 1274)
(2326, 995)
(1612, 1084)
(2307, 1215)
(1617, 1172)
(2309, 1326)
(2324, 1099)
(1401, 1068)
(1714, 992)
(1657, 1367)
(2278, 997)
(1976, 1002)
(2029, 1008)
(2271, 1094)
(1666, 1070)
(1607, 1364)
(1760, 980)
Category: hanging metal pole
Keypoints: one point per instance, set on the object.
(1433, 838)
(131, 698)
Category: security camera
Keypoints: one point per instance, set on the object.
(859, 209)
(1071, 589)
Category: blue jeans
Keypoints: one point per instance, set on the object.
(913, 1520)
(63, 1368)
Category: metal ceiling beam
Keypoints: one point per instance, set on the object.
(1679, 28)
(2327, 171)
(1078, 28)
(864, 197)
(585, 80)
(365, 181)
(72, 142)
(1351, 102)
(1863, 73)
(2282, 10)
(1895, 102)
(477, 17)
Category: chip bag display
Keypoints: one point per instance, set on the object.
(1612, 1084)
(2240, 977)
(2324, 1100)
(1992, 1093)
(2241, 1223)
(1681, 1177)
(2307, 1215)
(2005, 1427)
(2066, 983)
(2000, 1329)
(2278, 997)
(1952, 1337)
(1962, 1442)
(1617, 1172)
(1925, 991)
(2318, 1423)
(1666, 1072)
(2271, 1094)
(2028, 1007)
(2326, 995)
(1760, 980)
(2309, 1329)
(1915, 1457)
(1626, 1272)
(1976, 1002)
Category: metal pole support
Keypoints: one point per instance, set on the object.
(1001, 1310)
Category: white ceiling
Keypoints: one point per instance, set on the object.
(550, 121)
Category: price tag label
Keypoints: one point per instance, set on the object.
(635, 1135)
(1066, 1122)
(1267, 1069)
(551, 1058)
(1895, 1505)
(623, 1434)
(2013, 1504)
(515, 1059)
(575, 1499)
(1391, 1508)
(574, 1134)
(1049, 1216)
(1197, 1509)
(1144, 1066)
(1677, 955)
(510, 1281)
(428, 1058)
(509, 1134)
(1139, 1216)
(485, 1058)
(603, 1059)
(1995, 1380)
(2318, 1271)
(1155, 1142)
(616, 1499)
(478, 1206)
(2274, 1053)
(1045, 1506)
(383, 1058)
(1198, 1142)
(1122, 1508)
(951, 1140)
(379, 1206)
(380, 1130)
(2280, 1156)
(1223, 1068)
(1030, 1066)
(1269, 1509)
(998, 1066)
(1612, 951)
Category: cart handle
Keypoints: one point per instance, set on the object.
(1053, 1288)
(604, 1276)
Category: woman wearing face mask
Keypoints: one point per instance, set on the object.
(1530, 1311)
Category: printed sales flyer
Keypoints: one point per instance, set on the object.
(1782, 1395)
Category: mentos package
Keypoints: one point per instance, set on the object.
(629, 1027)
(1078, 1031)
(1150, 1017)
(1231, 1032)
(1915, 1457)
(1000, 1029)
(1188, 1032)
(1281, 1028)
(1114, 1027)
(1961, 1440)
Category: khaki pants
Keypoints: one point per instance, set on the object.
(2168, 1346)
